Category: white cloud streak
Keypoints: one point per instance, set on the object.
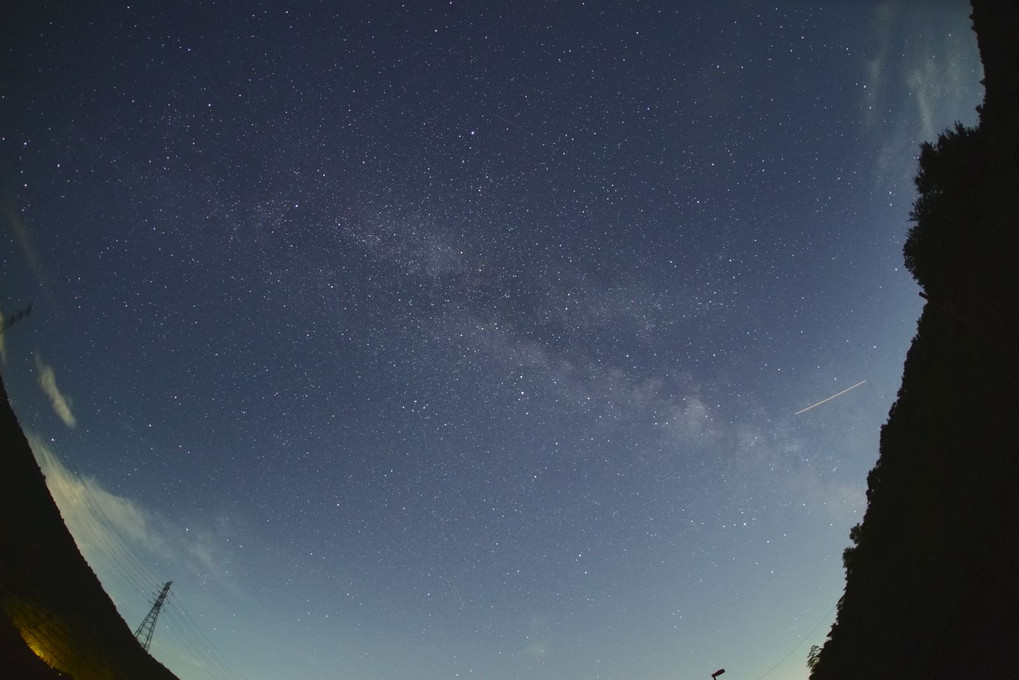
(107, 528)
(919, 79)
(123, 541)
(47, 380)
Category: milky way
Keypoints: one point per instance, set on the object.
(444, 340)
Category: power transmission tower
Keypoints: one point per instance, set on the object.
(148, 624)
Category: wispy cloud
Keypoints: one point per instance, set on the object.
(23, 239)
(121, 539)
(876, 64)
(22, 235)
(109, 529)
(921, 76)
(133, 550)
(47, 379)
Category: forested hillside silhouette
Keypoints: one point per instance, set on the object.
(932, 575)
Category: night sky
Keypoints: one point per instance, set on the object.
(464, 339)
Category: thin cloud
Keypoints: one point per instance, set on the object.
(933, 59)
(103, 524)
(47, 380)
(23, 239)
(119, 537)
(884, 21)
(126, 545)
(22, 235)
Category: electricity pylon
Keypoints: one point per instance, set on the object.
(148, 624)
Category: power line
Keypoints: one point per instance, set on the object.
(97, 529)
(798, 644)
(148, 625)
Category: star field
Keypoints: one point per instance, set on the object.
(450, 340)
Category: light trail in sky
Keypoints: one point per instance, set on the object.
(839, 394)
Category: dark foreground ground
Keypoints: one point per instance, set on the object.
(932, 577)
(56, 621)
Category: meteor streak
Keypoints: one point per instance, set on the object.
(829, 398)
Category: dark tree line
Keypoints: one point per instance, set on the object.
(932, 575)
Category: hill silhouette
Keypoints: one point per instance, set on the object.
(932, 577)
(56, 621)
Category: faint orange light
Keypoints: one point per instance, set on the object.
(40, 630)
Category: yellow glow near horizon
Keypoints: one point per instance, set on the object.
(38, 649)
(41, 631)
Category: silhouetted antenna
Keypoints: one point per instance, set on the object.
(148, 624)
(15, 318)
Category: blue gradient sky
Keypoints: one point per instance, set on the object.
(445, 341)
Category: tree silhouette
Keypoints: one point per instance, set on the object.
(947, 211)
(932, 577)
